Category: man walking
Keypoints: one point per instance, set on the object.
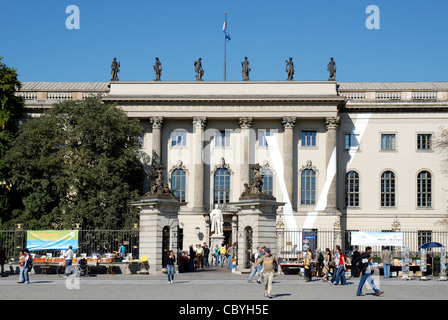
(364, 265)
(257, 267)
(222, 254)
(268, 271)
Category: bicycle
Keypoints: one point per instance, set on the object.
(75, 270)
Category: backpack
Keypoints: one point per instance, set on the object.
(252, 257)
(29, 262)
(275, 266)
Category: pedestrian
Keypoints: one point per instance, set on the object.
(200, 256)
(386, 259)
(216, 255)
(170, 266)
(342, 268)
(191, 257)
(355, 257)
(326, 268)
(256, 266)
(319, 262)
(206, 255)
(268, 261)
(68, 261)
(364, 265)
(27, 264)
(336, 263)
(2, 261)
(307, 260)
(222, 254)
(230, 255)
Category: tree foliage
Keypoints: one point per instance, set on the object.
(11, 107)
(77, 163)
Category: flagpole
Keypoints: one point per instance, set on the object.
(225, 45)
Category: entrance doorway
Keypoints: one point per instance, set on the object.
(227, 231)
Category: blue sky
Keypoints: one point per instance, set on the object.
(411, 44)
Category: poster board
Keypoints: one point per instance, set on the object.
(405, 262)
(51, 240)
(361, 238)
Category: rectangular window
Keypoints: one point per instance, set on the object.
(424, 236)
(388, 142)
(262, 134)
(351, 141)
(179, 138)
(424, 141)
(308, 138)
(222, 138)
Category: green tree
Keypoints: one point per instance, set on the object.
(77, 163)
(11, 107)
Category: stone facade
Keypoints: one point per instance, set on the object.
(323, 132)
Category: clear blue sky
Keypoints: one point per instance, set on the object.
(412, 44)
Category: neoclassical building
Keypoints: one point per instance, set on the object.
(353, 155)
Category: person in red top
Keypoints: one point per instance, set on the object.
(340, 273)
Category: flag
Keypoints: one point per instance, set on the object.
(226, 31)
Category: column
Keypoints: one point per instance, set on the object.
(157, 123)
(245, 125)
(197, 189)
(331, 162)
(288, 155)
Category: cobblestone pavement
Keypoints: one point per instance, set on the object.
(212, 283)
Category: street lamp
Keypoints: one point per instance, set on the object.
(197, 230)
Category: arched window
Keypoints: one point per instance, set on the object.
(267, 181)
(308, 187)
(352, 189)
(221, 189)
(388, 189)
(178, 184)
(424, 190)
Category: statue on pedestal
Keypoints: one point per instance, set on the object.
(198, 69)
(255, 189)
(331, 67)
(159, 188)
(216, 220)
(115, 70)
(290, 69)
(158, 69)
(245, 69)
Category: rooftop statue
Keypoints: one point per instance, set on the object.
(290, 69)
(198, 69)
(115, 70)
(158, 69)
(245, 69)
(331, 67)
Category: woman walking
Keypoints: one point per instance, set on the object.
(342, 268)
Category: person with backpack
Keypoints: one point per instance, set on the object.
(269, 263)
(254, 257)
(26, 265)
(364, 265)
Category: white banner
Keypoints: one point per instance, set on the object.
(359, 238)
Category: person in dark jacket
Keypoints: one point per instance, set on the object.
(364, 264)
(170, 260)
(192, 256)
(355, 258)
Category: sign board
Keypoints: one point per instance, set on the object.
(52, 240)
(376, 238)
